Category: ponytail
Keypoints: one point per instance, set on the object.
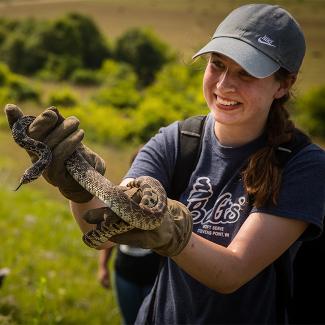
(263, 174)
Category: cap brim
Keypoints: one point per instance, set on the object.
(255, 62)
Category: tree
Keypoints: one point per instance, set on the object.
(69, 43)
(144, 51)
(78, 36)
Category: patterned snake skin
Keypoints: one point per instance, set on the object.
(146, 215)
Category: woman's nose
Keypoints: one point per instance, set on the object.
(226, 82)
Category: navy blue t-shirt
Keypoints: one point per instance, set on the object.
(216, 198)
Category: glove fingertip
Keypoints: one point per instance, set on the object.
(42, 124)
(94, 216)
(13, 113)
(79, 135)
(58, 114)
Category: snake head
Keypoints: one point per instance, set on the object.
(25, 179)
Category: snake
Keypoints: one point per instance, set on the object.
(146, 215)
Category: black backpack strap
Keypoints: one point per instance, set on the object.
(190, 141)
(190, 137)
(287, 150)
(283, 281)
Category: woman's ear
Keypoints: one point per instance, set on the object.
(285, 86)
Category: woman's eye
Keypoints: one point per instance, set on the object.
(245, 74)
(218, 64)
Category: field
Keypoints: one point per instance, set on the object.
(53, 277)
(184, 24)
(53, 274)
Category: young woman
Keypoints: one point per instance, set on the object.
(240, 210)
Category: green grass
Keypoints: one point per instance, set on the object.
(53, 274)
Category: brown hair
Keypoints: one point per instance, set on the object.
(263, 174)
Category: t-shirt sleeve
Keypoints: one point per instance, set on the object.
(157, 158)
(302, 193)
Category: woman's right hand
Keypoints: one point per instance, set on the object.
(63, 136)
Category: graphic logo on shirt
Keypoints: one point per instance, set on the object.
(225, 210)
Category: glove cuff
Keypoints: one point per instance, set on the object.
(181, 229)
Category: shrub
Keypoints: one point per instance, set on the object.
(59, 67)
(175, 95)
(63, 98)
(144, 51)
(119, 86)
(70, 42)
(85, 77)
(102, 124)
(94, 48)
(122, 95)
(78, 36)
(112, 70)
(4, 98)
(3, 35)
(15, 88)
(14, 52)
(20, 89)
(4, 74)
(310, 112)
(23, 54)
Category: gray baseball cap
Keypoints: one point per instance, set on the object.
(261, 38)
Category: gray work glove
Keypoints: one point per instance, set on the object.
(169, 239)
(63, 137)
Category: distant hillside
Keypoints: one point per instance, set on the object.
(184, 24)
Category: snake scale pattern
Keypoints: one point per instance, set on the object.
(146, 215)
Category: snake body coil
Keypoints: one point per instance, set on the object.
(146, 215)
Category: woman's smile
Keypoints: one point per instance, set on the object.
(226, 104)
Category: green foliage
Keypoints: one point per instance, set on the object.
(310, 112)
(20, 89)
(144, 51)
(58, 47)
(85, 77)
(65, 97)
(118, 113)
(24, 54)
(53, 274)
(175, 95)
(15, 88)
(4, 74)
(112, 70)
(94, 49)
(3, 34)
(62, 38)
(59, 67)
(55, 50)
(73, 42)
(122, 95)
(119, 87)
(4, 99)
(102, 124)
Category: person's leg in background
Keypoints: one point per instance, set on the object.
(130, 297)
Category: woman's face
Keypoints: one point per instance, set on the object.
(236, 98)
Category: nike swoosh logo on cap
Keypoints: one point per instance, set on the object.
(265, 40)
